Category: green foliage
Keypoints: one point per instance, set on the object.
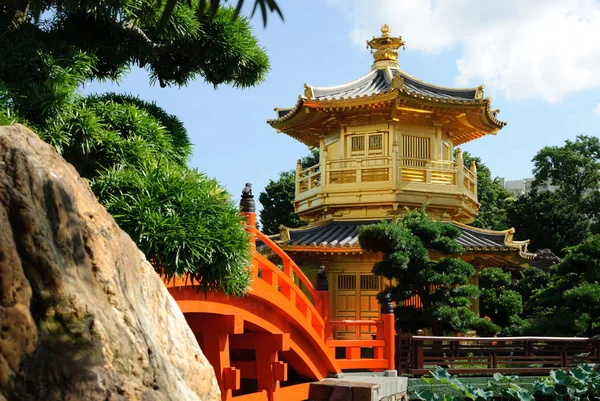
(104, 131)
(180, 142)
(7, 114)
(581, 383)
(499, 302)
(574, 167)
(419, 385)
(569, 306)
(549, 220)
(313, 158)
(184, 222)
(531, 282)
(194, 43)
(492, 196)
(277, 199)
(134, 152)
(442, 285)
(566, 217)
(16, 9)
(277, 204)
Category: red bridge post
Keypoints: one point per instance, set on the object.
(322, 288)
(389, 330)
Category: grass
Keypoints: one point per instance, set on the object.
(415, 385)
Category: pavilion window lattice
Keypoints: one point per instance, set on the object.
(376, 141)
(416, 150)
(358, 143)
(346, 282)
(369, 282)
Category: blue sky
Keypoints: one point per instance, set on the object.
(540, 62)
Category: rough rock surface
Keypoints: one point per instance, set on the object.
(83, 316)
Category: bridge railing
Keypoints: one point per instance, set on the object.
(363, 353)
(360, 353)
(290, 268)
(514, 355)
(283, 281)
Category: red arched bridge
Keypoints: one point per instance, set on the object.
(272, 342)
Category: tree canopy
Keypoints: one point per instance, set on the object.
(134, 153)
(442, 285)
(194, 43)
(549, 220)
(569, 305)
(574, 167)
(492, 196)
(184, 222)
(18, 9)
(498, 301)
(567, 215)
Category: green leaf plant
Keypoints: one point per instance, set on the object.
(582, 383)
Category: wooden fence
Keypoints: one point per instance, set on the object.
(509, 355)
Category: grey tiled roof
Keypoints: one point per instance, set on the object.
(473, 238)
(334, 234)
(372, 83)
(345, 234)
(422, 88)
(378, 81)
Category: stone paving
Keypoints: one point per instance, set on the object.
(361, 386)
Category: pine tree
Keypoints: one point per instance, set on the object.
(441, 284)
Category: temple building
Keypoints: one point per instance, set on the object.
(387, 141)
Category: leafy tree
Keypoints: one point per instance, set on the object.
(549, 220)
(570, 306)
(184, 222)
(499, 302)
(567, 216)
(492, 196)
(277, 200)
(194, 43)
(442, 285)
(19, 9)
(532, 280)
(134, 152)
(574, 167)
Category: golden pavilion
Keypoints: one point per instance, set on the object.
(387, 141)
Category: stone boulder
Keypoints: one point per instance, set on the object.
(83, 316)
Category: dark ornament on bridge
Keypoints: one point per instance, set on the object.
(247, 204)
(387, 306)
(322, 281)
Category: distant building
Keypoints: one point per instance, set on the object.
(521, 187)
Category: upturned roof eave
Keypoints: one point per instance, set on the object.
(491, 123)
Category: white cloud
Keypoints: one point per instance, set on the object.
(597, 109)
(542, 49)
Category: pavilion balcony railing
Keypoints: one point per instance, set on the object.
(382, 169)
(355, 170)
(308, 179)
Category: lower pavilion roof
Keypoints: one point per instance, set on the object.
(343, 235)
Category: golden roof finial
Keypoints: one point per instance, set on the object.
(385, 30)
(386, 47)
